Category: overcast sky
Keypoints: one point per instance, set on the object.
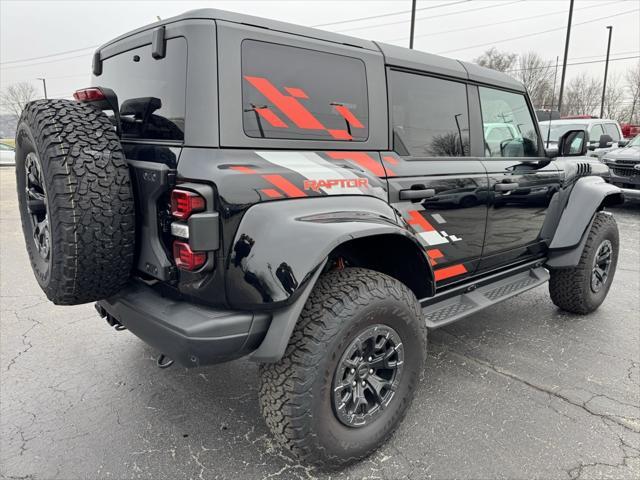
(36, 30)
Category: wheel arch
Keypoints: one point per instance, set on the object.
(357, 252)
(393, 254)
(588, 196)
(363, 232)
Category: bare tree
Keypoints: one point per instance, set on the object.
(632, 80)
(497, 60)
(537, 76)
(16, 96)
(614, 105)
(582, 96)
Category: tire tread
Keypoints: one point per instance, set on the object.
(285, 386)
(90, 200)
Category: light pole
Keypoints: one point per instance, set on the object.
(413, 22)
(606, 69)
(44, 86)
(564, 60)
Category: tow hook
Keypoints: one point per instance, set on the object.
(163, 361)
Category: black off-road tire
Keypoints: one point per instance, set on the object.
(296, 392)
(87, 193)
(571, 288)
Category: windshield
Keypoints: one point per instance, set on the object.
(635, 142)
(557, 130)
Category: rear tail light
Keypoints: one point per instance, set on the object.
(89, 95)
(187, 259)
(184, 203)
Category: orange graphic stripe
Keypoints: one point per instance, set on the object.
(364, 160)
(240, 168)
(348, 116)
(340, 134)
(419, 220)
(285, 185)
(271, 193)
(296, 92)
(291, 107)
(435, 253)
(391, 160)
(273, 119)
(448, 272)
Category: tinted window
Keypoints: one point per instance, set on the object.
(151, 92)
(429, 116)
(295, 93)
(595, 133)
(612, 130)
(506, 110)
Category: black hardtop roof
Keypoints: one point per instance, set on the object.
(394, 55)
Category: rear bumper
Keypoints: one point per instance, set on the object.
(190, 334)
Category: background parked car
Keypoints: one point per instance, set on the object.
(624, 166)
(630, 130)
(604, 134)
(497, 133)
(7, 155)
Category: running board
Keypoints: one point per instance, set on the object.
(455, 308)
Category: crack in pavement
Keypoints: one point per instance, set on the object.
(28, 345)
(618, 419)
(630, 372)
(576, 472)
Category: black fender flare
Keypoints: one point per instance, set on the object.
(281, 248)
(587, 197)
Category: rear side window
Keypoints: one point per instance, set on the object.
(612, 130)
(429, 116)
(151, 92)
(505, 111)
(596, 132)
(296, 93)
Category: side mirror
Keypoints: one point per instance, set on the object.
(605, 141)
(573, 143)
(623, 143)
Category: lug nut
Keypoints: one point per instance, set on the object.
(354, 384)
(363, 384)
(371, 371)
(369, 359)
(353, 370)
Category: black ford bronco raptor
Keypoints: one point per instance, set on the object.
(235, 186)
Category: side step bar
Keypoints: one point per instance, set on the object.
(455, 308)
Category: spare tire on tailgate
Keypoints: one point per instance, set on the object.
(75, 199)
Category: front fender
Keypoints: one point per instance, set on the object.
(587, 197)
(279, 246)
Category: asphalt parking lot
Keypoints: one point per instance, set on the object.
(520, 390)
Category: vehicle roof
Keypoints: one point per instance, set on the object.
(394, 55)
(578, 121)
(250, 20)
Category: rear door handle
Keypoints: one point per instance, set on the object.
(417, 194)
(505, 187)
